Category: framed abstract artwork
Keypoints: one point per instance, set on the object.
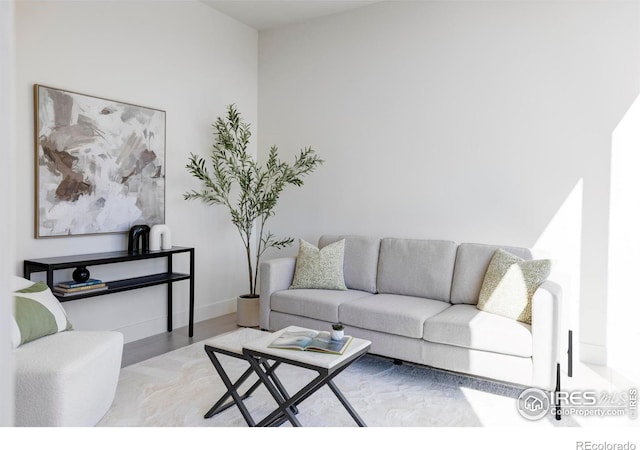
(100, 164)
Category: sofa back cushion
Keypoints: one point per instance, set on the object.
(420, 268)
(472, 261)
(360, 260)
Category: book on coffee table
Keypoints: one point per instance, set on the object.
(313, 341)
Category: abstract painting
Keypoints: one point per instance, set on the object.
(99, 164)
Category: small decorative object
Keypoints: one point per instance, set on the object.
(81, 274)
(96, 159)
(337, 331)
(250, 191)
(139, 239)
(160, 238)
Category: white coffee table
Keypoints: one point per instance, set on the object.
(328, 366)
(253, 346)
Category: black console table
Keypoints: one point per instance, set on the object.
(50, 265)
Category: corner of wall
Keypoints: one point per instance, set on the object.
(7, 113)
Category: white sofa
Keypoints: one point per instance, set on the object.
(415, 300)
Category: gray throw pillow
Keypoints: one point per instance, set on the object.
(319, 268)
(509, 285)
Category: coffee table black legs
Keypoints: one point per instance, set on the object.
(286, 404)
(284, 401)
(232, 391)
(346, 404)
(253, 346)
(236, 399)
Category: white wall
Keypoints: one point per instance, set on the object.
(471, 121)
(624, 243)
(6, 204)
(182, 57)
(623, 309)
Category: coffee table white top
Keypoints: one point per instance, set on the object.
(318, 359)
(233, 341)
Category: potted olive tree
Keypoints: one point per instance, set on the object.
(249, 191)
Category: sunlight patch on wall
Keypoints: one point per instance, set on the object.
(562, 239)
(623, 306)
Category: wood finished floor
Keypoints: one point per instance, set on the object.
(151, 346)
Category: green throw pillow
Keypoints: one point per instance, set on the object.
(319, 268)
(37, 313)
(509, 285)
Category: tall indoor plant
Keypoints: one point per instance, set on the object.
(249, 191)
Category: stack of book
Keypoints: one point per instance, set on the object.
(69, 288)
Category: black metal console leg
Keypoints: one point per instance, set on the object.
(192, 275)
(169, 295)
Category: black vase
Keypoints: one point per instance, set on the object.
(139, 239)
(81, 274)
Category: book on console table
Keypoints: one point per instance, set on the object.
(75, 284)
(313, 341)
(79, 290)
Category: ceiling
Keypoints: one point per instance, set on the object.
(267, 14)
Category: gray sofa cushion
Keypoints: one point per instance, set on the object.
(472, 261)
(396, 314)
(466, 326)
(360, 260)
(419, 268)
(318, 304)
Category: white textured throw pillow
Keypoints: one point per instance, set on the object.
(37, 312)
(509, 285)
(320, 268)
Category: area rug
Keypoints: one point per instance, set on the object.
(176, 390)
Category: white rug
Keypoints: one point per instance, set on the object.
(178, 388)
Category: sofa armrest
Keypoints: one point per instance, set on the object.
(275, 275)
(546, 314)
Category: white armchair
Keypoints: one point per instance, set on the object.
(68, 378)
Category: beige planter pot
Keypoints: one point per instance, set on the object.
(248, 311)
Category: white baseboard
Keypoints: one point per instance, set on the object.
(593, 354)
(180, 319)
